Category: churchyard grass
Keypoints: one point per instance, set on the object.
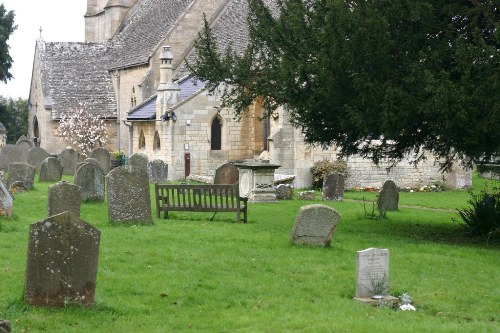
(189, 274)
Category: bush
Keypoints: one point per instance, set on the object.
(482, 218)
(324, 168)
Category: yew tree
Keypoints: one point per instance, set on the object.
(7, 27)
(379, 78)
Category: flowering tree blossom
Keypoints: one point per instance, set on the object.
(83, 130)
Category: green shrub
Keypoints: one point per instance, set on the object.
(482, 218)
(324, 168)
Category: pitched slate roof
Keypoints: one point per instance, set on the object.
(144, 111)
(145, 30)
(76, 73)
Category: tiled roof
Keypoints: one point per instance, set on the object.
(76, 73)
(145, 111)
(146, 29)
(188, 87)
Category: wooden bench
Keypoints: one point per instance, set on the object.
(200, 198)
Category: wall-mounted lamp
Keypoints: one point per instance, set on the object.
(169, 115)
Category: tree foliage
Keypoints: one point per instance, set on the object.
(7, 27)
(379, 78)
(14, 116)
(83, 130)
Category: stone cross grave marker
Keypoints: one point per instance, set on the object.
(104, 157)
(372, 273)
(315, 225)
(61, 267)
(51, 170)
(333, 187)
(388, 198)
(157, 171)
(5, 201)
(128, 195)
(21, 172)
(36, 156)
(91, 180)
(69, 158)
(62, 197)
(226, 174)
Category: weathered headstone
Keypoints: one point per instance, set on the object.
(372, 273)
(51, 170)
(284, 192)
(128, 195)
(5, 326)
(69, 158)
(64, 196)
(104, 157)
(226, 174)
(307, 195)
(5, 201)
(90, 178)
(315, 225)
(157, 171)
(388, 198)
(138, 161)
(21, 172)
(24, 145)
(36, 156)
(333, 187)
(17, 187)
(9, 154)
(87, 160)
(61, 267)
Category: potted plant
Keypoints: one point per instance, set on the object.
(117, 158)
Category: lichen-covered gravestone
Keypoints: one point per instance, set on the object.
(62, 197)
(69, 158)
(9, 154)
(307, 195)
(226, 174)
(104, 157)
(5, 201)
(139, 161)
(128, 195)
(157, 171)
(333, 187)
(5, 326)
(91, 180)
(315, 225)
(21, 172)
(372, 273)
(51, 170)
(388, 198)
(284, 192)
(36, 156)
(61, 267)
(24, 145)
(87, 160)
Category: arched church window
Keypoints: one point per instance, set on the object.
(156, 142)
(36, 132)
(142, 140)
(216, 134)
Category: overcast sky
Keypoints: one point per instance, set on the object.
(61, 21)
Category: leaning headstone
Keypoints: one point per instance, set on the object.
(226, 174)
(90, 178)
(5, 201)
(61, 267)
(64, 196)
(307, 195)
(284, 192)
(388, 198)
(5, 326)
(51, 170)
(24, 145)
(157, 171)
(21, 172)
(103, 156)
(138, 161)
(36, 156)
(69, 158)
(333, 187)
(315, 225)
(128, 195)
(9, 154)
(372, 273)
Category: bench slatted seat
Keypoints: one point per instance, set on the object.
(200, 198)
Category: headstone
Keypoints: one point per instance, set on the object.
(51, 170)
(226, 174)
(91, 180)
(24, 145)
(64, 196)
(284, 192)
(388, 198)
(104, 157)
(315, 225)
(17, 187)
(69, 158)
(22, 172)
(36, 156)
(61, 267)
(88, 160)
(5, 201)
(372, 273)
(128, 195)
(9, 154)
(138, 161)
(5, 326)
(307, 195)
(333, 187)
(157, 171)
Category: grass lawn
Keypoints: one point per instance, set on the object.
(189, 274)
